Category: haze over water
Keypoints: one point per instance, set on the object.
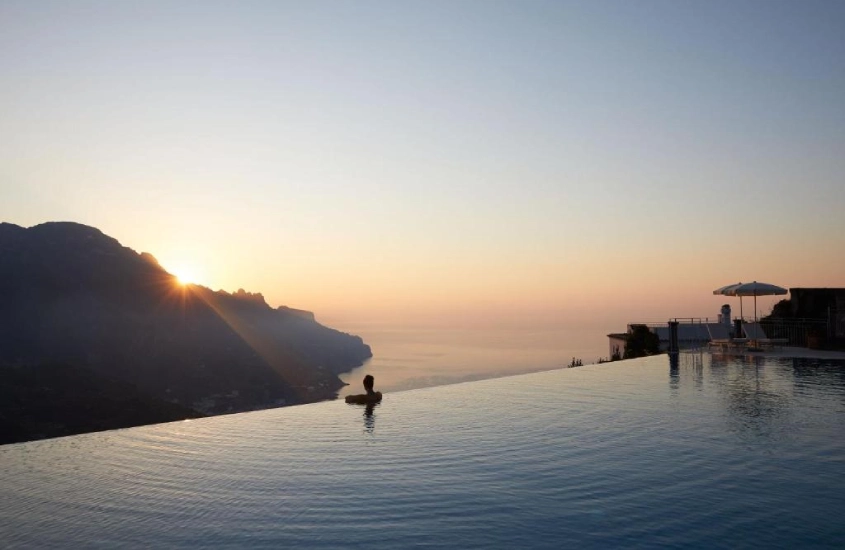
(409, 358)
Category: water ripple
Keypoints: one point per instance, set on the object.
(719, 453)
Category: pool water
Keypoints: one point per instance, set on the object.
(714, 452)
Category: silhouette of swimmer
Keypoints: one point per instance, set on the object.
(366, 398)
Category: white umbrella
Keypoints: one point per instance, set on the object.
(757, 289)
(728, 290)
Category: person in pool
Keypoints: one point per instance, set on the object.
(370, 397)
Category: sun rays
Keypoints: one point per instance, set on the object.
(185, 275)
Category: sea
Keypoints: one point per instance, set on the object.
(406, 358)
(704, 451)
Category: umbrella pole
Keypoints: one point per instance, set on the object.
(755, 307)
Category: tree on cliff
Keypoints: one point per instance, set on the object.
(641, 342)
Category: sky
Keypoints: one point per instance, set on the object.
(424, 162)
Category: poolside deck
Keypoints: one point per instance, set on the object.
(783, 351)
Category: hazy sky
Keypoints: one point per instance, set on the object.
(605, 161)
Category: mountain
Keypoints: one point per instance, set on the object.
(71, 295)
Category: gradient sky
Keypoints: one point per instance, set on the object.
(478, 161)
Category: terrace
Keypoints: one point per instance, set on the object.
(693, 332)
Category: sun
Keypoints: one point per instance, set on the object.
(184, 279)
(185, 275)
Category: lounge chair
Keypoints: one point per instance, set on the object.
(755, 333)
(719, 336)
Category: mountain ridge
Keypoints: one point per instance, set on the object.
(70, 294)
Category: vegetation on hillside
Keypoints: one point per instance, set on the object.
(41, 401)
(641, 342)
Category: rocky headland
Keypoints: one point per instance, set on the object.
(73, 300)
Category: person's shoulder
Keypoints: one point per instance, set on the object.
(364, 398)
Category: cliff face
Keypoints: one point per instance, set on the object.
(71, 295)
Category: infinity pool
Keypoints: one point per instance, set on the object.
(716, 452)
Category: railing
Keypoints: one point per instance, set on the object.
(682, 320)
(795, 330)
(686, 339)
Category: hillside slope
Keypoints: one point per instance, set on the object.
(71, 295)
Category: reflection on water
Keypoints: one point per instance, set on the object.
(759, 394)
(674, 371)
(818, 372)
(732, 453)
(370, 417)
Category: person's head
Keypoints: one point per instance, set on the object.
(368, 383)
